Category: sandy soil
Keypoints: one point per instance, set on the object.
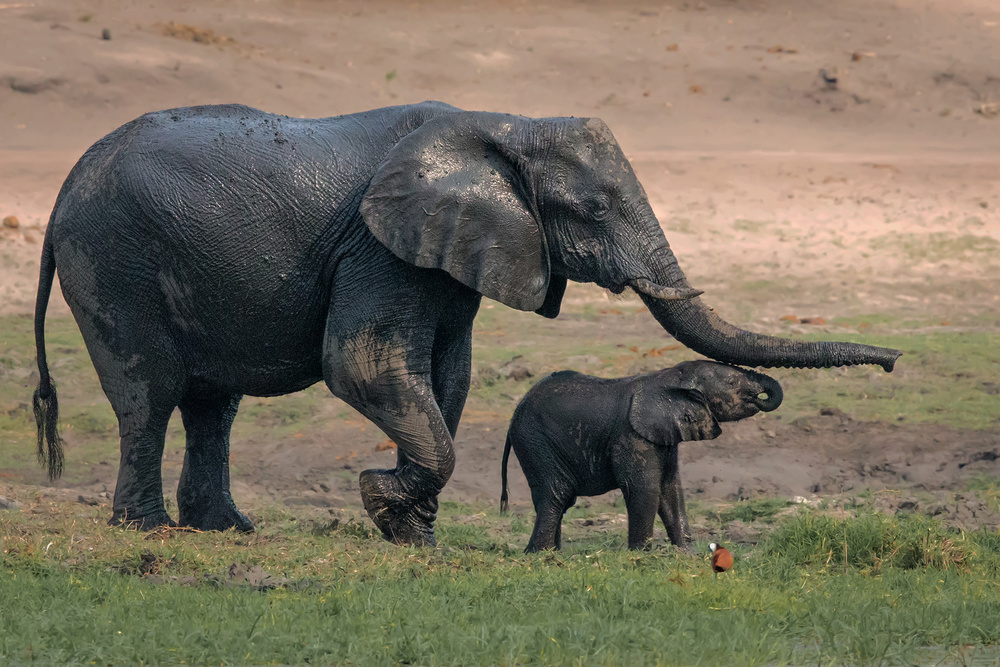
(877, 194)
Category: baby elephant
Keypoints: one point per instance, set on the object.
(577, 435)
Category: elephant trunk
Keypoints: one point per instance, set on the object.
(772, 390)
(696, 325)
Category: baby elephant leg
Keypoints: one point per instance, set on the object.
(550, 505)
(672, 510)
(639, 481)
(640, 502)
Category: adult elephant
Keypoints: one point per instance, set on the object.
(212, 252)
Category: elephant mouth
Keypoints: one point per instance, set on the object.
(649, 288)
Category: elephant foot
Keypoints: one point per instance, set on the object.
(145, 523)
(402, 518)
(216, 515)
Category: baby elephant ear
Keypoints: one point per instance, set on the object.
(454, 194)
(668, 415)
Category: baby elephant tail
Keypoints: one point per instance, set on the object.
(503, 476)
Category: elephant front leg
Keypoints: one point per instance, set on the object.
(203, 496)
(638, 476)
(389, 383)
(403, 501)
(672, 510)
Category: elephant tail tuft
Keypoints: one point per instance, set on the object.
(46, 410)
(45, 403)
(503, 476)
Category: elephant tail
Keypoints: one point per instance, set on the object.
(44, 403)
(503, 476)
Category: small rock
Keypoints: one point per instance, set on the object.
(771, 434)
(906, 506)
(88, 500)
(832, 412)
(106, 35)
(812, 320)
(9, 504)
(11, 222)
(716, 480)
(829, 79)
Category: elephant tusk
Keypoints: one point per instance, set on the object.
(665, 293)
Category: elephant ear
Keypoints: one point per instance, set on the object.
(669, 415)
(455, 195)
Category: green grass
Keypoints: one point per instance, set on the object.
(942, 378)
(73, 591)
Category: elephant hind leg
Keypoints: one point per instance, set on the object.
(203, 496)
(546, 533)
(550, 506)
(138, 501)
(143, 378)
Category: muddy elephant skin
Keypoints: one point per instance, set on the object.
(213, 252)
(577, 435)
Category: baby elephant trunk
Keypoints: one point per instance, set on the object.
(770, 395)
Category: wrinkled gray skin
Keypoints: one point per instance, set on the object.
(209, 253)
(577, 435)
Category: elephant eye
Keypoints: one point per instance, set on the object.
(600, 207)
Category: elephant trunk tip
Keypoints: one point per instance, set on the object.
(890, 362)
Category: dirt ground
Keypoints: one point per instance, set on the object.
(815, 158)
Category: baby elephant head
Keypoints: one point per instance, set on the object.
(732, 393)
(685, 402)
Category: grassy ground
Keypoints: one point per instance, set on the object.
(827, 585)
(868, 589)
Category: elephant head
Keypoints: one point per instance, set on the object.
(732, 393)
(514, 207)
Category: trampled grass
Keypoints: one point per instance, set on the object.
(75, 590)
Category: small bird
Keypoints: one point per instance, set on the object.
(722, 560)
